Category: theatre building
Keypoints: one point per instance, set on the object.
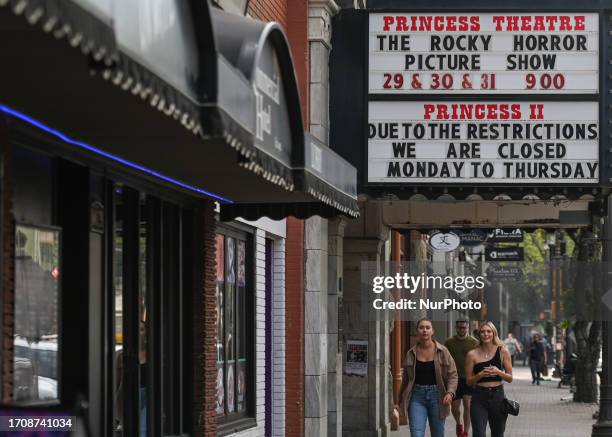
(146, 149)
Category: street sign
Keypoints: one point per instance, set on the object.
(493, 142)
(471, 237)
(497, 272)
(505, 236)
(504, 254)
(494, 53)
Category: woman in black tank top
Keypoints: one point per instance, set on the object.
(486, 368)
(429, 383)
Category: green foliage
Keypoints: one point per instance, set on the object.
(531, 295)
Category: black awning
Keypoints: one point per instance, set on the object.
(328, 177)
(277, 211)
(182, 82)
(326, 185)
(260, 52)
(166, 54)
(86, 25)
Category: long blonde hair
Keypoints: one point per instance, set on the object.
(496, 339)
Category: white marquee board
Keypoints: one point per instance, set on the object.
(484, 142)
(468, 53)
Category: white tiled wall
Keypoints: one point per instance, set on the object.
(278, 338)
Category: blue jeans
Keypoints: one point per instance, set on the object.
(424, 404)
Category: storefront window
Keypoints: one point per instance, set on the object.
(118, 316)
(37, 272)
(142, 317)
(151, 359)
(232, 320)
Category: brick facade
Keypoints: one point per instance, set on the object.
(8, 289)
(293, 16)
(294, 358)
(269, 10)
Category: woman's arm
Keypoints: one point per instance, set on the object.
(404, 381)
(452, 377)
(507, 362)
(471, 379)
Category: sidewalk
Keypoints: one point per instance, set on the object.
(543, 413)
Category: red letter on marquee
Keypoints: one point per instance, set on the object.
(388, 22)
(429, 109)
(565, 23)
(539, 24)
(498, 20)
(401, 24)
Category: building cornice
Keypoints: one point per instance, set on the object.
(320, 13)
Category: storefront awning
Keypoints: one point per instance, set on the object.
(328, 177)
(321, 175)
(200, 96)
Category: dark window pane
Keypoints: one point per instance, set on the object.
(37, 272)
(142, 312)
(118, 317)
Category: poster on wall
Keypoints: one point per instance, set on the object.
(492, 142)
(493, 53)
(356, 358)
(220, 407)
(230, 389)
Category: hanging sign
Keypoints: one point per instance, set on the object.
(504, 254)
(497, 272)
(505, 236)
(493, 142)
(465, 53)
(444, 241)
(472, 237)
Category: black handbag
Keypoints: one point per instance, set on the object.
(510, 407)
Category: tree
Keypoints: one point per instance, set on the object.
(587, 299)
(531, 294)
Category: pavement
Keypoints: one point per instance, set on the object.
(546, 411)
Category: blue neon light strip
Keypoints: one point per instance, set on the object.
(116, 158)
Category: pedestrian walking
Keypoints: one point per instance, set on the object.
(526, 343)
(483, 369)
(459, 345)
(537, 358)
(513, 346)
(429, 383)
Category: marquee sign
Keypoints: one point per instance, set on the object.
(469, 53)
(488, 142)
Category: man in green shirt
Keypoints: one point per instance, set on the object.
(459, 345)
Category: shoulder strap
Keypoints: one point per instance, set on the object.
(498, 355)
